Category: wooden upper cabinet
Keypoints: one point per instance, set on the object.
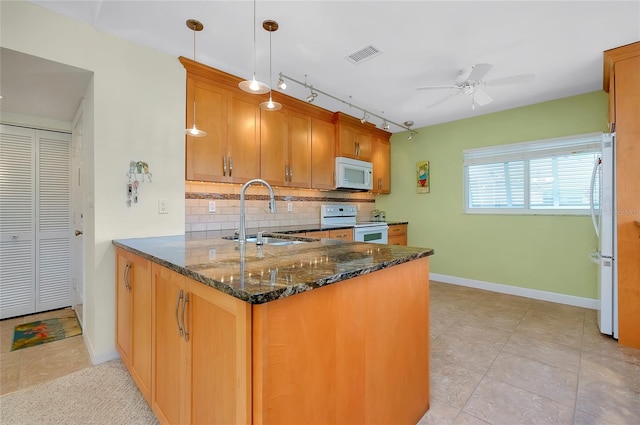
(323, 141)
(285, 146)
(353, 139)
(243, 152)
(273, 150)
(381, 162)
(204, 155)
(299, 149)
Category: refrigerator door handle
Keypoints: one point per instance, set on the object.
(591, 203)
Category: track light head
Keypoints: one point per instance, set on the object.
(312, 96)
(385, 125)
(281, 84)
(364, 118)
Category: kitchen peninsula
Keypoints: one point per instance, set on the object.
(323, 331)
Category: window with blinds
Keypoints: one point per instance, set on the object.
(542, 177)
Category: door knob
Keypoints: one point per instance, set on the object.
(78, 232)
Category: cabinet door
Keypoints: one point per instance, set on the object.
(123, 307)
(273, 146)
(323, 139)
(205, 155)
(347, 142)
(299, 147)
(140, 282)
(220, 339)
(381, 165)
(342, 234)
(243, 138)
(169, 363)
(363, 138)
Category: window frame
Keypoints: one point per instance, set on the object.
(525, 151)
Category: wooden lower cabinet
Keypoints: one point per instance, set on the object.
(133, 317)
(319, 234)
(201, 375)
(355, 352)
(397, 234)
(331, 355)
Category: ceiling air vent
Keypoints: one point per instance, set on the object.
(363, 54)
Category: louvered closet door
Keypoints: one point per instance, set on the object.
(17, 221)
(53, 236)
(35, 234)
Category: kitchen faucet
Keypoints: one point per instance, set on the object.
(242, 237)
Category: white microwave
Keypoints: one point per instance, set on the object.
(353, 175)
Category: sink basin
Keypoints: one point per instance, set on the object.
(270, 240)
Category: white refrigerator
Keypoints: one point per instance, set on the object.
(603, 214)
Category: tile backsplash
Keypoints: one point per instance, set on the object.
(305, 204)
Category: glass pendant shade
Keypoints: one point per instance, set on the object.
(194, 25)
(270, 105)
(254, 86)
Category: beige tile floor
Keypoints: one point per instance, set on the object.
(34, 365)
(495, 358)
(501, 359)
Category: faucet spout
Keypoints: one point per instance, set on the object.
(242, 236)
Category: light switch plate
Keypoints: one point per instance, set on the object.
(163, 206)
(212, 206)
(289, 206)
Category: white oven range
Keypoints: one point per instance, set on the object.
(345, 215)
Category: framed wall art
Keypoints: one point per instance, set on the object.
(422, 177)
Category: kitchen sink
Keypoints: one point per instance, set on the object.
(272, 240)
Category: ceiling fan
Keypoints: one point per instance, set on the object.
(470, 82)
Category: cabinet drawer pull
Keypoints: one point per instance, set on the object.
(230, 166)
(184, 308)
(224, 166)
(286, 173)
(290, 173)
(126, 277)
(180, 330)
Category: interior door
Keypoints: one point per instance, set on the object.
(77, 218)
(17, 221)
(35, 219)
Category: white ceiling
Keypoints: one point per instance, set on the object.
(423, 43)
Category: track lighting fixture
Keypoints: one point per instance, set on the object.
(312, 96)
(194, 25)
(254, 86)
(281, 84)
(270, 105)
(408, 125)
(314, 93)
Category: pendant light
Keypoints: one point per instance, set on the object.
(194, 25)
(254, 86)
(270, 105)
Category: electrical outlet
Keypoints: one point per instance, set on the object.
(212, 206)
(289, 206)
(163, 206)
(212, 253)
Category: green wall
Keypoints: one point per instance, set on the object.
(547, 253)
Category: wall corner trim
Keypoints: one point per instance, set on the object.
(518, 291)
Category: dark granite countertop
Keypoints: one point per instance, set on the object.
(391, 223)
(259, 274)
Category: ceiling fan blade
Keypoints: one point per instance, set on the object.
(437, 87)
(444, 99)
(479, 70)
(481, 97)
(513, 79)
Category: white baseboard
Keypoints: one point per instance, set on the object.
(515, 290)
(103, 358)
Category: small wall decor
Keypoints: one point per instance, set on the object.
(138, 171)
(422, 177)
